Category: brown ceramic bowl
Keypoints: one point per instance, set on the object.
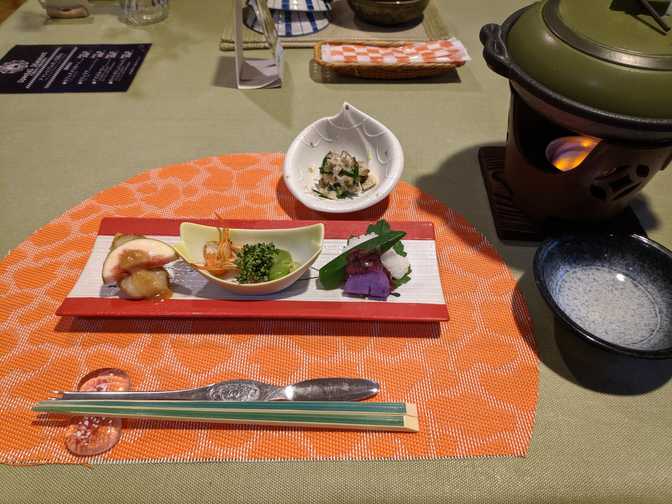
(388, 12)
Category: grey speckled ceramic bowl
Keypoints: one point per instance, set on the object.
(614, 290)
(388, 12)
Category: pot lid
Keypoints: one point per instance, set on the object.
(619, 31)
(604, 57)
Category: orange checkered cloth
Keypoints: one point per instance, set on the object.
(435, 51)
(473, 378)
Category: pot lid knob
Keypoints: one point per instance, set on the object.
(656, 15)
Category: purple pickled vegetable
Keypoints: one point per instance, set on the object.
(360, 261)
(366, 276)
(374, 284)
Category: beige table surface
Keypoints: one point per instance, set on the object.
(604, 426)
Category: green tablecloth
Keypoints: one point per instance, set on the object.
(603, 426)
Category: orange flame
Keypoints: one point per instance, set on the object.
(567, 153)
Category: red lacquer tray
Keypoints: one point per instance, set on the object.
(420, 300)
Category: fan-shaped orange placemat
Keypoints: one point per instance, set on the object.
(474, 378)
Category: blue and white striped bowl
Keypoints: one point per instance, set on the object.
(301, 5)
(290, 23)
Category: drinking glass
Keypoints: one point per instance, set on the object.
(142, 12)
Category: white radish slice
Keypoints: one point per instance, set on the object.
(397, 265)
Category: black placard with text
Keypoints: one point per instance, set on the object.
(70, 68)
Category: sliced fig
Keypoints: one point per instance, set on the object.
(92, 435)
(144, 284)
(134, 255)
(120, 239)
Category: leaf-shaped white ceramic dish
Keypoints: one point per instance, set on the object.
(303, 243)
(357, 133)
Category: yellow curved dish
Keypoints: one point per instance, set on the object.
(303, 243)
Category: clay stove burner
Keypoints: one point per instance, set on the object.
(577, 69)
(512, 224)
(550, 177)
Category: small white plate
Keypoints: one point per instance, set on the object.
(359, 134)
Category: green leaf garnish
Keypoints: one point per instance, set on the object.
(399, 249)
(398, 282)
(323, 166)
(381, 227)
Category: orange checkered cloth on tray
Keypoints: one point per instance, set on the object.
(434, 51)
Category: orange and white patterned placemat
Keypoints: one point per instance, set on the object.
(474, 378)
(435, 51)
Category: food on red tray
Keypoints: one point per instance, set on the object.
(366, 275)
(146, 284)
(134, 255)
(219, 258)
(135, 264)
(120, 239)
(252, 262)
(373, 265)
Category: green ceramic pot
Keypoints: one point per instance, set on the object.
(603, 60)
(388, 12)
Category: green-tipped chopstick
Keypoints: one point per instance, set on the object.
(323, 414)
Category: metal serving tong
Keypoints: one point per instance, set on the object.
(321, 389)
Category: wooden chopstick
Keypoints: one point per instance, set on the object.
(324, 414)
(349, 407)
